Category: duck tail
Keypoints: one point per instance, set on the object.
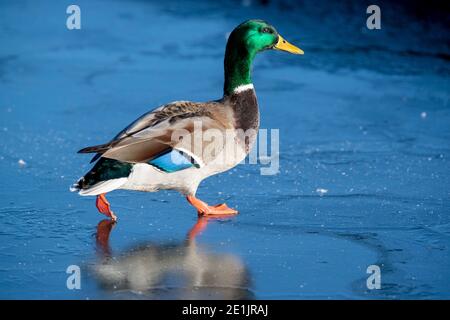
(101, 187)
(77, 186)
(106, 176)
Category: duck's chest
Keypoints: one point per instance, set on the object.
(245, 110)
(238, 141)
(245, 114)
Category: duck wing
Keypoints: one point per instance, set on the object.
(168, 127)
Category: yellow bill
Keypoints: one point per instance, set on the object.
(286, 46)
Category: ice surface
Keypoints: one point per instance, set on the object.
(363, 114)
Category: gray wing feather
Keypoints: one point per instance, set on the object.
(149, 135)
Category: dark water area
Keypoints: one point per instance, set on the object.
(364, 179)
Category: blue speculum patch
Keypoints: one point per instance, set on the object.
(173, 160)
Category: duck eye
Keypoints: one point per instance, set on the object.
(266, 30)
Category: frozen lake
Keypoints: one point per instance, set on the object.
(364, 176)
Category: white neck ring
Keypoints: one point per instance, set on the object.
(243, 88)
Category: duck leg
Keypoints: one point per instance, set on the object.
(204, 209)
(104, 207)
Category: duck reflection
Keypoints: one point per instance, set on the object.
(182, 270)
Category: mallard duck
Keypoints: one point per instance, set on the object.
(177, 145)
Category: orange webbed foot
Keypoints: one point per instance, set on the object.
(204, 209)
(104, 207)
(220, 209)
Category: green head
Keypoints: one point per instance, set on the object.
(246, 40)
